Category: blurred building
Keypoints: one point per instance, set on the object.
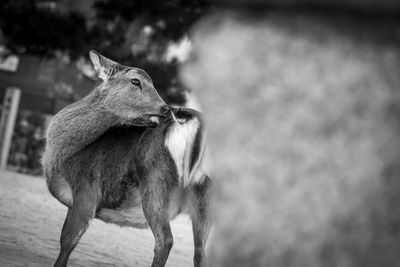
(46, 85)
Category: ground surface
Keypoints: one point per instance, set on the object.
(31, 221)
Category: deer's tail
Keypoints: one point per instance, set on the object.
(186, 144)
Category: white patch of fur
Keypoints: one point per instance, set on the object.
(179, 141)
(175, 202)
(102, 73)
(199, 168)
(99, 63)
(66, 193)
(61, 189)
(132, 216)
(130, 213)
(80, 233)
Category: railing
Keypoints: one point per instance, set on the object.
(8, 117)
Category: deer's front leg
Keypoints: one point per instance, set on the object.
(155, 201)
(77, 221)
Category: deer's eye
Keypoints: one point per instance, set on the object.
(136, 82)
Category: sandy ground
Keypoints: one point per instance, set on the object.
(31, 221)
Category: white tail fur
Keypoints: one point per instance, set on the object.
(180, 141)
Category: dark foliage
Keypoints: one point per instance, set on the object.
(37, 29)
(171, 19)
(32, 27)
(32, 30)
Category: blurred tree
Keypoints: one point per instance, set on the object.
(136, 32)
(139, 32)
(34, 30)
(37, 27)
(167, 20)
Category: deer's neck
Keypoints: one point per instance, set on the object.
(76, 126)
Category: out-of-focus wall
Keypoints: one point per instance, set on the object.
(303, 115)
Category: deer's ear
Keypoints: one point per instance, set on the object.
(103, 66)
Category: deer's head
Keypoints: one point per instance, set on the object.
(128, 92)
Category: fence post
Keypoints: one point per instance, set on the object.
(8, 117)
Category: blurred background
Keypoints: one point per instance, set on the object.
(302, 104)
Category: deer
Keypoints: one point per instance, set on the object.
(123, 156)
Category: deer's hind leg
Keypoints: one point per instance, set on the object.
(77, 221)
(199, 214)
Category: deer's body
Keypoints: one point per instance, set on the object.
(102, 163)
(117, 161)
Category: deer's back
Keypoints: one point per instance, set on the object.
(73, 128)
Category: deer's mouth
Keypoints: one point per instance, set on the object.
(154, 119)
